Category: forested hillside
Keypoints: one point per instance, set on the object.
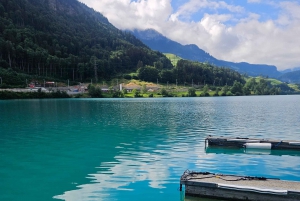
(67, 40)
(189, 71)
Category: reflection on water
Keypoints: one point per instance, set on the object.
(136, 149)
(222, 150)
(189, 198)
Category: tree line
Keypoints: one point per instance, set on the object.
(195, 73)
(5, 95)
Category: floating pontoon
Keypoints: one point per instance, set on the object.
(232, 187)
(250, 143)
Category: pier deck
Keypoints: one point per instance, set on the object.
(237, 142)
(231, 187)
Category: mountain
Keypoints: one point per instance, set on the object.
(157, 41)
(290, 77)
(65, 39)
(290, 70)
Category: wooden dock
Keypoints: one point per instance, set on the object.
(252, 143)
(231, 187)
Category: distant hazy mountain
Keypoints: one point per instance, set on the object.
(290, 70)
(290, 77)
(157, 41)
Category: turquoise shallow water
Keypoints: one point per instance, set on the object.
(136, 149)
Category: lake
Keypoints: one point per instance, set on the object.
(136, 149)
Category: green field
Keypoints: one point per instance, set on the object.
(173, 58)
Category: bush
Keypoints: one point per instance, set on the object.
(229, 93)
(136, 93)
(95, 92)
(164, 92)
(204, 94)
(124, 91)
(59, 94)
(118, 94)
(192, 92)
(32, 95)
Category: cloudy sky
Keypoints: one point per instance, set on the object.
(254, 31)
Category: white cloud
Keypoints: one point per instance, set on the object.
(126, 14)
(189, 8)
(234, 35)
(291, 9)
(253, 1)
(134, 166)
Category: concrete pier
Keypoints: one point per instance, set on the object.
(231, 187)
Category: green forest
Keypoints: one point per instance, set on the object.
(66, 40)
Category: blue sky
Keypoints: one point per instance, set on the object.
(242, 9)
(254, 31)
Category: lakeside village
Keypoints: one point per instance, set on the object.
(80, 88)
(119, 88)
(83, 87)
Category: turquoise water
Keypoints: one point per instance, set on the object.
(136, 149)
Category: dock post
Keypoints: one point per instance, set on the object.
(180, 188)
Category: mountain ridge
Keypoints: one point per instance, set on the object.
(157, 41)
(291, 77)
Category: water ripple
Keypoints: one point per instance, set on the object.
(124, 149)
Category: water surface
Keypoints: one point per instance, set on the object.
(135, 149)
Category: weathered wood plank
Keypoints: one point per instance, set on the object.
(233, 187)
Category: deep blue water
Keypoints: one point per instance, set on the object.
(136, 149)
